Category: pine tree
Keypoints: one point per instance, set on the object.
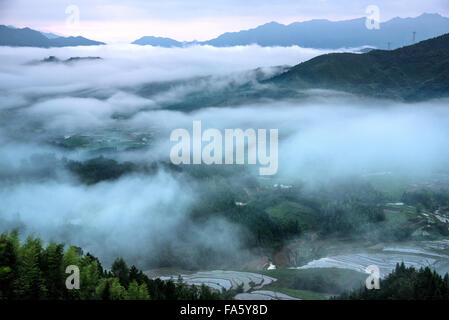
(137, 292)
(117, 291)
(137, 275)
(110, 289)
(30, 282)
(8, 266)
(103, 291)
(53, 271)
(120, 270)
(89, 278)
(143, 292)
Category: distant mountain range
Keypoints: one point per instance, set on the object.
(50, 35)
(26, 37)
(325, 34)
(159, 42)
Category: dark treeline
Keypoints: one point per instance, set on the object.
(99, 169)
(406, 284)
(426, 199)
(30, 271)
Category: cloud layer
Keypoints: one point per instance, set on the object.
(324, 135)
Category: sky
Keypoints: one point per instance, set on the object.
(119, 21)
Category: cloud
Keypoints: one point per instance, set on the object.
(130, 217)
(333, 137)
(129, 65)
(323, 135)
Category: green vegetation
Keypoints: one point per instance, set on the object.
(99, 169)
(406, 284)
(415, 72)
(427, 199)
(314, 283)
(30, 271)
(300, 294)
(392, 186)
(293, 214)
(107, 141)
(396, 218)
(350, 218)
(75, 142)
(270, 217)
(273, 216)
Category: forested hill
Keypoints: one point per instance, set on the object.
(415, 72)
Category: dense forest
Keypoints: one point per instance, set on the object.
(406, 283)
(31, 271)
(415, 72)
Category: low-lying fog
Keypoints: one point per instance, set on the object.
(326, 135)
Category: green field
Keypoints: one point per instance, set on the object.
(289, 212)
(313, 283)
(300, 294)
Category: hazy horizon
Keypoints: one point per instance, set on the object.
(116, 22)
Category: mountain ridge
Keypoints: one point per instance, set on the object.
(412, 73)
(27, 37)
(327, 34)
(415, 72)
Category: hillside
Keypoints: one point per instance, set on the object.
(414, 72)
(27, 37)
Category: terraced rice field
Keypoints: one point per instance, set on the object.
(220, 279)
(433, 254)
